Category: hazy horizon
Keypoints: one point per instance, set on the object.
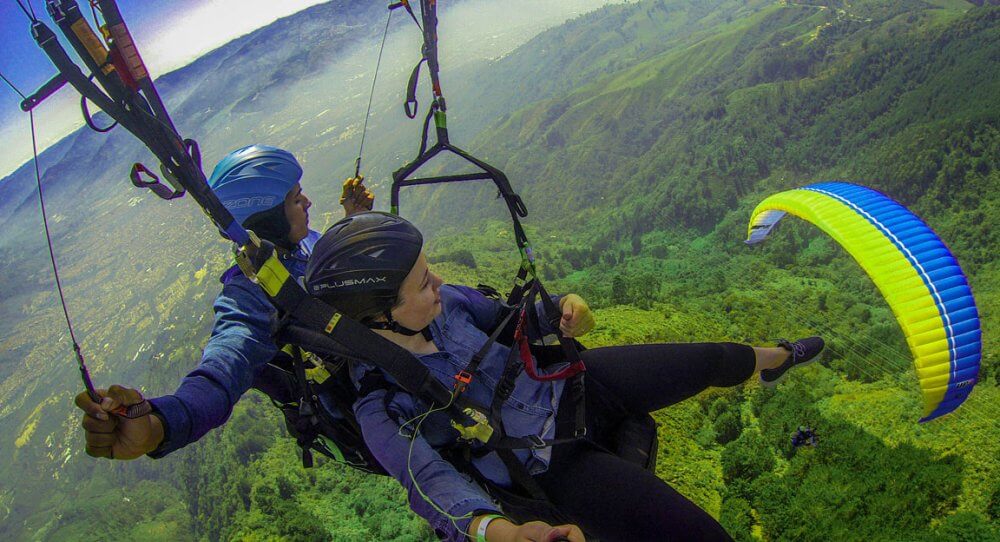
(166, 45)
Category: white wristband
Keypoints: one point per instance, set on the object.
(483, 525)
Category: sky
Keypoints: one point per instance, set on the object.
(169, 33)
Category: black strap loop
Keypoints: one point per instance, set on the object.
(89, 119)
(158, 188)
(411, 90)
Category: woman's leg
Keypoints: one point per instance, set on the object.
(648, 377)
(613, 499)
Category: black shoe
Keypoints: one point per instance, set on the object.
(804, 352)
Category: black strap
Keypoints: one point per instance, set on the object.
(489, 291)
(391, 324)
(46, 90)
(519, 475)
(464, 378)
(521, 285)
(579, 397)
(90, 120)
(554, 315)
(427, 128)
(505, 386)
(320, 321)
(161, 190)
(307, 408)
(411, 94)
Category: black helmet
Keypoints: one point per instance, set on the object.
(360, 262)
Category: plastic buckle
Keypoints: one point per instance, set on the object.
(580, 433)
(536, 442)
(462, 379)
(503, 390)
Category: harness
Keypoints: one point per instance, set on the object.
(314, 329)
(635, 439)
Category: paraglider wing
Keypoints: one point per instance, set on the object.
(916, 273)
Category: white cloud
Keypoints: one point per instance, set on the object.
(211, 25)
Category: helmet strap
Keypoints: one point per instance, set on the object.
(392, 325)
(272, 225)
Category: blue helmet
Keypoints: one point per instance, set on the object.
(253, 179)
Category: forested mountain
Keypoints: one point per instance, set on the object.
(640, 135)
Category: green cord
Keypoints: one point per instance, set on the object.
(409, 468)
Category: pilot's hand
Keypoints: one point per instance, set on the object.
(116, 437)
(577, 320)
(356, 197)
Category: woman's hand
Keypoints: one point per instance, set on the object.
(577, 320)
(356, 197)
(503, 530)
(539, 531)
(114, 437)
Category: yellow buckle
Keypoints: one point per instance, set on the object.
(480, 431)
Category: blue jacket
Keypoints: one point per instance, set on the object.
(239, 347)
(458, 332)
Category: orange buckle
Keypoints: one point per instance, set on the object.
(463, 379)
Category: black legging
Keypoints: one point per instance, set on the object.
(609, 497)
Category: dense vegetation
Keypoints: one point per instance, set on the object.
(641, 136)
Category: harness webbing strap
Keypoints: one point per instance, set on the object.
(307, 410)
(121, 40)
(520, 475)
(473, 365)
(397, 362)
(88, 46)
(411, 92)
(579, 397)
(48, 89)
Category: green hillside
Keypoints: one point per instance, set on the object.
(641, 136)
(642, 182)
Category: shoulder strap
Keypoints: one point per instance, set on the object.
(464, 378)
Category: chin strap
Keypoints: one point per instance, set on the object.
(392, 325)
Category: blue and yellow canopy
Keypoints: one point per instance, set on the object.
(916, 273)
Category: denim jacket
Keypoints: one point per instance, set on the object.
(239, 347)
(458, 332)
